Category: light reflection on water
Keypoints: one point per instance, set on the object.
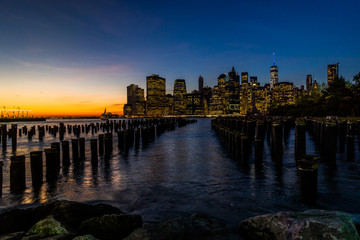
(186, 171)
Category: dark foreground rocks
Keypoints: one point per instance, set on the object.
(309, 225)
(65, 220)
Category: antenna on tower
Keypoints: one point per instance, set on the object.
(273, 59)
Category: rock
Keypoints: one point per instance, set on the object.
(85, 237)
(111, 226)
(70, 214)
(12, 236)
(196, 226)
(312, 224)
(48, 237)
(48, 226)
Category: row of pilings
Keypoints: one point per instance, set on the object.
(239, 135)
(129, 133)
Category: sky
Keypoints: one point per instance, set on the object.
(75, 58)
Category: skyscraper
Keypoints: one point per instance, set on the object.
(155, 93)
(274, 78)
(179, 97)
(308, 82)
(253, 80)
(201, 83)
(244, 77)
(135, 101)
(332, 73)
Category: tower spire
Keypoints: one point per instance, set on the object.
(273, 59)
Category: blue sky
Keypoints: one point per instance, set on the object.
(100, 47)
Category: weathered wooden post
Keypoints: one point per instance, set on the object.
(51, 165)
(17, 174)
(75, 149)
(56, 147)
(308, 172)
(277, 147)
(82, 148)
(14, 136)
(108, 143)
(101, 144)
(342, 135)
(300, 140)
(4, 136)
(94, 154)
(65, 153)
(329, 148)
(244, 147)
(1, 177)
(137, 138)
(350, 148)
(36, 164)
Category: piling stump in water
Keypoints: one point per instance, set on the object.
(56, 147)
(36, 164)
(1, 177)
(51, 164)
(300, 140)
(101, 144)
(14, 136)
(277, 147)
(3, 136)
(17, 174)
(308, 172)
(82, 148)
(350, 148)
(94, 154)
(65, 153)
(108, 143)
(75, 149)
(330, 140)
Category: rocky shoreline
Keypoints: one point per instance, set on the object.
(62, 219)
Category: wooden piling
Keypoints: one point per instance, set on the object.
(94, 152)
(17, 174)
(36, 164)
(82, 148)
(1, 177)
(350, 148)
(300, 140)
(308, 172)
(56, 147)
(65, 153)
(101, 144)
(108, 143)
(277, 145)
(75, 149)
(51, 164)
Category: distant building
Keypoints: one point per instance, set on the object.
(194, 103)
(179, 97)
(201, 83)
(244, 77)
(332, 73)
(308, 82)
(261, 98)
(274, 75)
(233, 92)
(135, 101)
(217, 106)
(283, 93)
(253, 80)
(207, 93)
(156, 101)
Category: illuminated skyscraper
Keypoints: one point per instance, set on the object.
(155, 93)
(201, 83)
(135, 101)
(179, 97)
(274, 78)
(332, 73)
(308, 82)
(244, 77)
(253, 80)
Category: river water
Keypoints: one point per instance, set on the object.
(185, 171)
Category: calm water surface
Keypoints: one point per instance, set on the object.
(186, 171)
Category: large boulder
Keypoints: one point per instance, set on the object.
(312, 224)
(48, 226)
(70, 214)
(111, 226)
(196, 226)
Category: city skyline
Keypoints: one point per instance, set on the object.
(62, 58)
